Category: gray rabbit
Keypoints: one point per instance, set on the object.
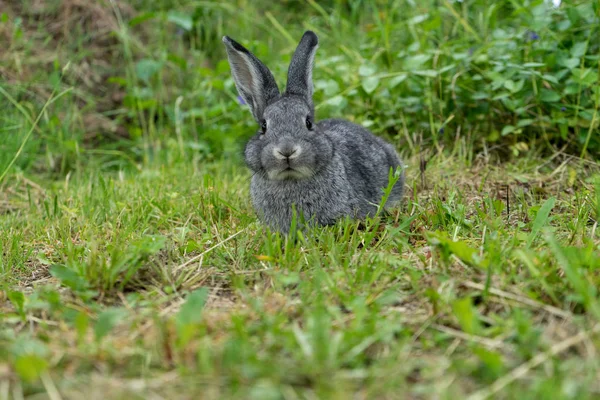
(328, 169)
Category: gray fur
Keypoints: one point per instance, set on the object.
(301, 66)
(335, 170)
(253, 80)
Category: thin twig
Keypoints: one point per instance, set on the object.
(521, 299)
(493, 344)
(50, 387)
(191, 260)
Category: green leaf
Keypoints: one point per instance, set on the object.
(445, 69)
(491, 359)
(525, 122)
(549, 96)
(82, 322)
(513, 86)
(571, 62)
(578, 50)
(417, 19)
(290, 278)
(395, 81)
(329, 87)
(181, 19)
(367, 70)
(459, 249)
(338, 101)
(190, 315)
(29, 357)
(68, 277)
(191, 311)
(540, 219)
(138, 19)
(367, 123)
(148, 245)
(467, 317)
(550, 78)
(18, 300)
(370, 83)
(533, 65)
(25, 345)
(147, 68)
(140, 251)
(507, 129)
(179, 61)
(585, 76)
(30, 366)
(416, 61)
(107, 320)
(571, 88)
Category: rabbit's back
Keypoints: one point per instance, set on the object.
(367, 161)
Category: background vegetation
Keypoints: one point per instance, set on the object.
(131, 262)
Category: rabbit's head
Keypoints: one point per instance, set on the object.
(288, 144)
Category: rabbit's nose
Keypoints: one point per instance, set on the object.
(287, 152)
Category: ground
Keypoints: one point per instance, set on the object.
(161, 282)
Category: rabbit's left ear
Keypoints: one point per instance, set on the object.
(300, 72)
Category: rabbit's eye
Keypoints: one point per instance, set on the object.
(263, 126)
(309, 124)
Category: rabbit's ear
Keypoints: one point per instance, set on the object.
(300, 71)
(254, 81)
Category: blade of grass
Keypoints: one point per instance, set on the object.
(50, 100)
(540, 219)
(581, 286)
(462, 21)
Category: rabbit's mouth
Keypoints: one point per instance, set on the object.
(290, 173)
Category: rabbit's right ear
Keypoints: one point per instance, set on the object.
(254, 82)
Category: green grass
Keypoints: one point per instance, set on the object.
(167, 277)
(133, 266)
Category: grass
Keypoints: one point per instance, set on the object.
(132, 264)
(170, 286)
